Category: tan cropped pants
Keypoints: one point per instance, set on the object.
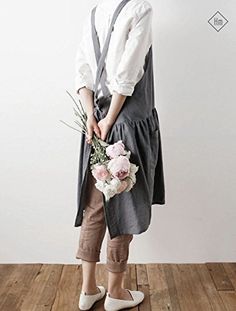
(93, 229)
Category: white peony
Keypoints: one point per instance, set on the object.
(109, 191)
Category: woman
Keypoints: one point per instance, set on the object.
(114, 78)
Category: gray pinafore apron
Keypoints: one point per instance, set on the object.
(137, 125)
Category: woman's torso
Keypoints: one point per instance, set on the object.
(125, 20)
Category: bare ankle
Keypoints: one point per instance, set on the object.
(120, 293)
(90, 290)
(116, 291)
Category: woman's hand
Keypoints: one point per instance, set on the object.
(104, 125)
(92, 126)
(107, 122)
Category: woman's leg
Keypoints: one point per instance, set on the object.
(117, 257)
(92, 232)
(89, 281)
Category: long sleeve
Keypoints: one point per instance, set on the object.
(83, 74)
(130, 68)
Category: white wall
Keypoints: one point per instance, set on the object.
(195, 97)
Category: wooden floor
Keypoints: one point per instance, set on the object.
(185, 287)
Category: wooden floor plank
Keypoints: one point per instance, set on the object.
(142, 285)
(142, 278)
(183, 279)
(18, 285)
(209, 288)
(229, 299)
(5, 271)
(42, 293)
(198, 291)
(158, 288)
(68, 290)
(174, 305)
(219, 276)
(230, 268)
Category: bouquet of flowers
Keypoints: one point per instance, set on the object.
(109, 163)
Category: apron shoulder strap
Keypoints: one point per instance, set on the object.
(96, 45)
(100, 56)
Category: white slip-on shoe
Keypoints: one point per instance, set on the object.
(87, 301)
(114, 304)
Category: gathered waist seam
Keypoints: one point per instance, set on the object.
(153, 116)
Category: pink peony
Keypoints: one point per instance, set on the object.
(100, 172)
(119, 167)
(116, 149)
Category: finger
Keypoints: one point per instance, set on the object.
(90, 131)
(90, 134)
(89, 140)
(103, 135)
(97, 130)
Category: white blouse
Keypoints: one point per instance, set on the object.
(129, 44)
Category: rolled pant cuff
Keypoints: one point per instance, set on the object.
(87, 255)
(116, 266)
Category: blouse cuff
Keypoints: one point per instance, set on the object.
(82, 82)
(124, 88)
